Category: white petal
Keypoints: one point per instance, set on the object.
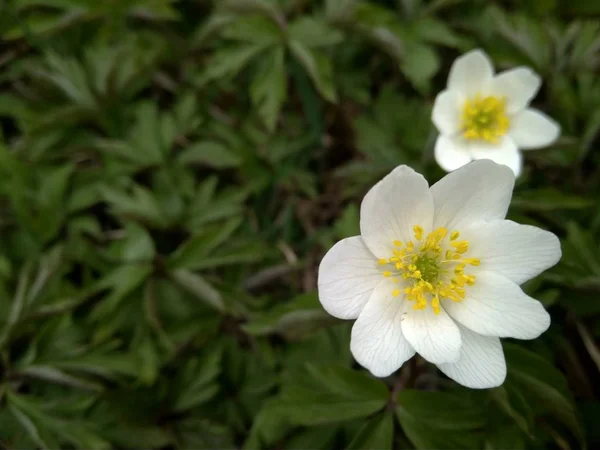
(518, 86)
(533, 129)
(481, 365)
(504, 152)
(392, 208)
(447, 111)
(348, 274)
(451, 152)
(377, 342)
(495, 306)
(434, 336)
(518, 252)
(481, 190)
(471, 73)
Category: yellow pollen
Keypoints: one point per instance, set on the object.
(430, 269)
(484, 118)
(418, 232)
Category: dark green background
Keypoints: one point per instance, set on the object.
(171, 174)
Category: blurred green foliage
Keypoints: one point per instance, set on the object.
(171, 173)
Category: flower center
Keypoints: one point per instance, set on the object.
(432, 267)
(484, 118)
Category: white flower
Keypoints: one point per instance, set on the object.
(482, 116)
(437, 271)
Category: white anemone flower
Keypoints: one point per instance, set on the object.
(482, 116)
(437, 271)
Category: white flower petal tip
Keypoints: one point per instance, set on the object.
(434, 336)
(482, 116)
(436, 272)
(533, 129)
(471, 73)
(377, 341)
(481, 364)
(517, 86)
(451, 152)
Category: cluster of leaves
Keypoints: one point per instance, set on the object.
(171, 173)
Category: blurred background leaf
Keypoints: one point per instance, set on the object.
(171, 174)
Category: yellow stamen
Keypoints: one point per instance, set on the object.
(431, 268)
(484, 118)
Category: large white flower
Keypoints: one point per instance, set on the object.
(437, 271)
(482, 116)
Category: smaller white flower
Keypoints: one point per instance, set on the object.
(437, 271)
(482, 116)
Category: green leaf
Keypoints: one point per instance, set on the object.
(543, 386)
(202, 244)
(318, 67)
(435, 31)
(45, 427)
(210, 153)
(54, 186)
(376, 433)
(441, 420)
(140, 204)
(314, 32)
(298, 317)
(269, 426)
(268, 89)
(199, 287)
(549, 199)
(229, 61)
(328, 393)
(319, 437)
(54, 375)
(419, 63)
(198, 381)
(505, 437)
(145, 135)
(253, 29)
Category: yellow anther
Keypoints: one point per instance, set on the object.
(399, 266)
(396, 292)
(460, 244)
(398, 243)
(454, 235)
(382, 261)
(412, 267)
(416, 274)
(387, 273)
(418, 232)
(472, 261)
